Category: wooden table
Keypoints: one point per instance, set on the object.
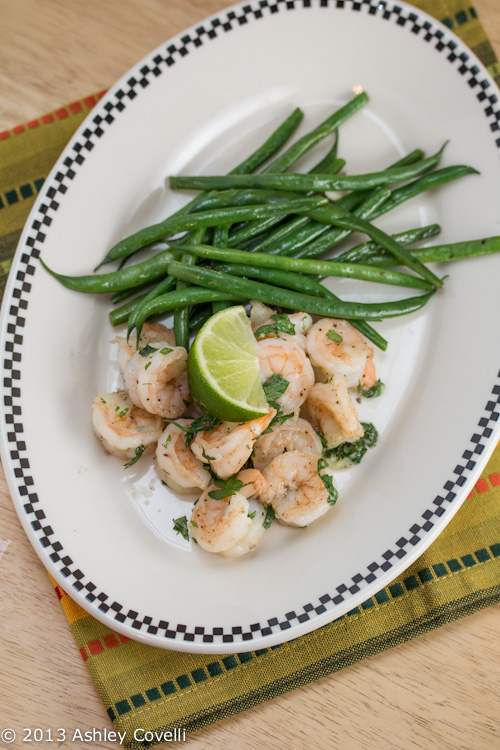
(437, 691)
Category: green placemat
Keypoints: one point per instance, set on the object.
(148, 692)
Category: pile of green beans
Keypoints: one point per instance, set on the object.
(252, 235)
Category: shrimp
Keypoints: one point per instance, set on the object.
(253, 483)
(229, 446)
(176, 464)
(261, 315)
(332, 411)
(122, 427)
(301, 321)
(296, 489)
(225, 525)
(150, 334)
(292, 435)
(157, 381)
(351, 357)
(285, 357)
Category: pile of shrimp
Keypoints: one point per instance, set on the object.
(244, 473)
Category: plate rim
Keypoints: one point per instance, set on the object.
(482, 445)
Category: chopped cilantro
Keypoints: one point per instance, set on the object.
(322, 438)
(166, 350)
(352, 453)
(103, 400)
(375, 390)
(207, 457)
(193, 523)
(206, 423)
(371, 435)
(281, 323)
(122, 414)
(180, 526)
(279, 418)
(227, 487)
(167, 441)
(328, 482)
(147, 365)
(270, 516)
(252, 514)
(138, 453)
(147, 350)
(334, 336)
(274, 388)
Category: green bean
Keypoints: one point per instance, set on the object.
(244, 289)
(166, 285)
(366, 201)
(181, 314)
(305, 143)
(192, 295)
(273, 144)
(257, 227)
(187, 222)
(290, 246)
(236, 197)
(220, 237)
(124, 294)
(335, 215)
(353, 200)
(362, 203)
(328, 163)
(335, 235)
(302, 145)
(316, 267)
(447, 253)
(121, 314)
(307, 182)
(299, 284)
(126, 278)
(254, 229)
(427, 182)
(220, 305)
(304, 233)
(199, 318)
(367, 250)
(220, 240)
(288, 242)
(299, 246)
(181, 320)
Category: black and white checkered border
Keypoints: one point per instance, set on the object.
(95, 127)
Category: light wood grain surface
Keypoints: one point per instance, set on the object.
(439, 691)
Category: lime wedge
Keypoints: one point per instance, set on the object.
(223, 368)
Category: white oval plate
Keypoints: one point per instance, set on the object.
(200, 103)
